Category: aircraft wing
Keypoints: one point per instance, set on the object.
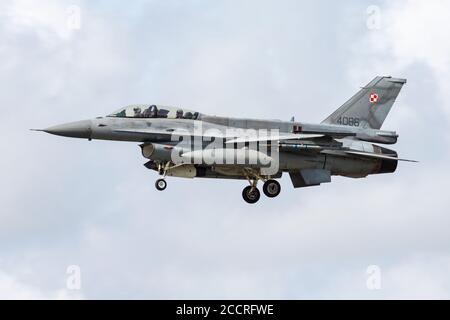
(236, 137)
(276, 137)
(291, 136)
(239, 136)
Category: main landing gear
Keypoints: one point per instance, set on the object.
(271, 188)
(251, 194)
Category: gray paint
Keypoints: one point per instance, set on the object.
(311, 153)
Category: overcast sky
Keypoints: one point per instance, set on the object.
(92, 204)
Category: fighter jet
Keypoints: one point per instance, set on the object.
(182, 143)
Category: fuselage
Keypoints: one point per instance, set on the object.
(291, 156)
(183, 143)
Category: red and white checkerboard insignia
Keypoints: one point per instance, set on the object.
(373, 98)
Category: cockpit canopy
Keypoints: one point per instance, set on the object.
(154, 111)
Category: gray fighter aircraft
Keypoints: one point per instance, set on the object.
(183, 143)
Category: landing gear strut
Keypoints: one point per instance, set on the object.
(251, 194)
(161, 184)
(271, 188)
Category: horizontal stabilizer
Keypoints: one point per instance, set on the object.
(379, 156)
(309, 177)
(365, 154)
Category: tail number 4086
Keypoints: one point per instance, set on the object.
(348, 121)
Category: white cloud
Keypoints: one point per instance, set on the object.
(412, 33)
(13, 289)
(418, 31)
(50, 21)
(422, 276)
(93, 204)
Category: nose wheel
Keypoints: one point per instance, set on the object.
(251, 194)
(161, 184)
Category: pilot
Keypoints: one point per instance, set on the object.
(179, 114)
(162, 113)
(188, 115)
(137, 112)
(151, 112)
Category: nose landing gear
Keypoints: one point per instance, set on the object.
(161, 184)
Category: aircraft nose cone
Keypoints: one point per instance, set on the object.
(78, 129)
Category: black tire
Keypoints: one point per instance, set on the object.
(160, 184)
(271, 188)
(250, 194)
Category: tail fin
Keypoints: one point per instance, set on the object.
(370, 106)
